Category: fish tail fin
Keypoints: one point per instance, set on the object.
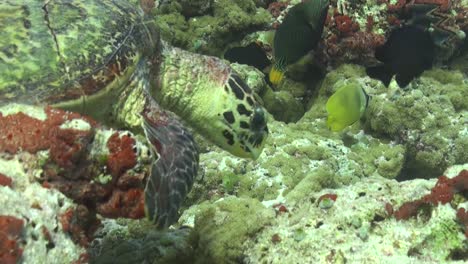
(381, 73)
(404, 79)
(276, 75)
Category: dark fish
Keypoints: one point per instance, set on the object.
(299, 33)
(408, 52)
(251, 54)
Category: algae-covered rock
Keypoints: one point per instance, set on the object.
(130, 241)
(195, 7)
(429, 118)
(285, 103)
(210, 33)
(299, 158)
(358, 228)
(283, 106)
(43, 238)
(222, 228)
(426, 123)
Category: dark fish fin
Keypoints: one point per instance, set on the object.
(380, 53)
(173, 173)
(427, 62)
(422, 9)
(404, 79)
(252, 55)
(381, 73)
(367, 97)
(315, 13)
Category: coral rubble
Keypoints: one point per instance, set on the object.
(57, 171)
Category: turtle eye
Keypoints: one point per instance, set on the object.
(258, 120)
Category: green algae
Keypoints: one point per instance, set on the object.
(358, 226)
(283, 106)
(131, 241)
(442, 238)
(222, 228)
(426, 122)
(376, 157)
(210, 33)
(230, 181)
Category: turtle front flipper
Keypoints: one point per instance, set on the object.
(172, 174)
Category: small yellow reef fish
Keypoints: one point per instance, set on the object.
(299, 33)
(346, 106)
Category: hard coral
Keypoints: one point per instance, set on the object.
(210, 33)
(10, 231)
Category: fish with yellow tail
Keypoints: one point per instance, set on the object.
(299, 33)
(346, 106)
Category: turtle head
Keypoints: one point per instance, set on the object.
(210, 96)
(244, 120)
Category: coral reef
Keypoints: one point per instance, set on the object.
(312, 195)
(102, 169)
(125, 241)
(429, 119)
(302, 162)
(31, 217)
(292, 178)
(97, 171)
(443, 192)
(303, 157)
(356, 228)
(221, 228)
(211, 32)
(355, 29)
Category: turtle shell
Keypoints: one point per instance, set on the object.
(56, 51)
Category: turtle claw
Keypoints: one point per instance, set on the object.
(172, 174)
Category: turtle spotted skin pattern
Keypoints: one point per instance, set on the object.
(105, 59)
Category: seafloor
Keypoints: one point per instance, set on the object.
(372, 193)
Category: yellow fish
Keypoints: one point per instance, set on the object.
(346, 106)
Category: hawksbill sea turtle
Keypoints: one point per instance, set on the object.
(105, 59)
